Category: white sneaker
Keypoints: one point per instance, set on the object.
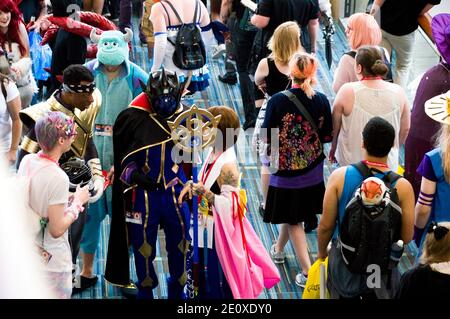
(218, 51)
(279, 257)
(300, 280)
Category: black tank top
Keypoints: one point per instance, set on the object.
(276, 81)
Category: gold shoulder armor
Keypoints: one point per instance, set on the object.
(31, 114)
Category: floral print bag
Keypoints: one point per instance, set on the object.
(300, 144)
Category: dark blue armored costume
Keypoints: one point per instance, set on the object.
(145, 192)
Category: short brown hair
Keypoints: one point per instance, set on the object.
(228, 126)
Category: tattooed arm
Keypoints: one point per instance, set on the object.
(229, 175)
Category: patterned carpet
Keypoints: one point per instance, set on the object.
(223, 94)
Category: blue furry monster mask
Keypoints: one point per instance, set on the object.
(112, 46)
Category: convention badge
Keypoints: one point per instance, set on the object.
(103, 130)
(45, 255)
(133, 217)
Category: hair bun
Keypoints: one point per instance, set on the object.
(379, 68)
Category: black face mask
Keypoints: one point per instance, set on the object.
(164, 91)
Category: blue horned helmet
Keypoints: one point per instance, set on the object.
(112, 46)
(164, 91)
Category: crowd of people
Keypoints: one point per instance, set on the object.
(99, 136)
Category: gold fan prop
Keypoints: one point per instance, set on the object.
(438, 108)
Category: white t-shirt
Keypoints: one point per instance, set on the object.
(49, 186)
(5, 119)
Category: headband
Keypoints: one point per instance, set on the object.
(79, 88)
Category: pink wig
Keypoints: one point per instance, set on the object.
(362, 29)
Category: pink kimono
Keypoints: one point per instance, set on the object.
(245, 261)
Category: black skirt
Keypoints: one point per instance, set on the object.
(293, 206)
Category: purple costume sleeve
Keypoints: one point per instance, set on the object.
(426, 170)
(127, 172)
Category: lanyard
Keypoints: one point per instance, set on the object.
(376, 164)
(45, 156)
(364, 78)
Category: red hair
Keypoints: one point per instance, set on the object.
(13, 33)
(303, 69)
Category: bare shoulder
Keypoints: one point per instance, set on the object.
(337, 175)
(336, 180)
(229, 175)
(156, 9)
(403, 187)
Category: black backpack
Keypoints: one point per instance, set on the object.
(367, 233)
(190, 51)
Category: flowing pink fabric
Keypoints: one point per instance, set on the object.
(248, 267)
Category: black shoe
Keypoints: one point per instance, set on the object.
(309, 226)
(84, 284)
(248, 124)
(228, 78)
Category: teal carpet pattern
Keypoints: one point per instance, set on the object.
(229, 95)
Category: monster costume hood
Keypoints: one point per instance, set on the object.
(113, 46)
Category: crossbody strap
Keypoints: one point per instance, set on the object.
(293, 98)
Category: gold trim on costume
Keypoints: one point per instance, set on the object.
(159, 124)
(30, 146)
(129, 188)
(161, 165)
(183, 278)
(140, 108)
(143, 148)
(130, 285)
(148, 281)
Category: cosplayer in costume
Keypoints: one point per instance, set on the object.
(86, 101)
(145, 189)
(236, 263)
(435, 81)
(434, 197)
(118, 92)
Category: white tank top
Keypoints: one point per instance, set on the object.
(369, 102)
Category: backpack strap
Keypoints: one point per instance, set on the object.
(391, 178)
(362, 169)
(294, 99)
(174, 11)
(197, 5)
